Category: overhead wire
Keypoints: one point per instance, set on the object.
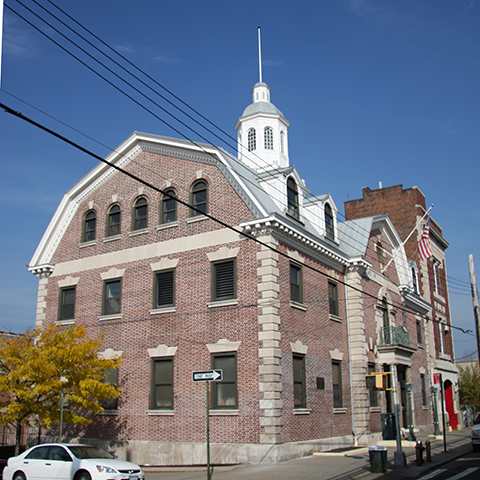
(83, 63)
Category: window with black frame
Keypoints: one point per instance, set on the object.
(66, 309)
(299, 381)
(224, 393)
(162, 384)
(112, 290)
(89, 226)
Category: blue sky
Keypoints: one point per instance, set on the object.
(375, 90)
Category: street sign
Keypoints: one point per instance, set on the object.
(437, 380)
(208, 376)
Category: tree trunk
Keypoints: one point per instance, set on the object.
(18, 437)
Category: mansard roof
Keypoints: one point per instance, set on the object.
(243, 179)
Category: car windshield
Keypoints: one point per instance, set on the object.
(86, 451)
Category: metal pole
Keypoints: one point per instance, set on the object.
(435, 412)
(61, 415)
(399, 458)
(476, 310)
(208, 431)
(411, 435)
(443, 417)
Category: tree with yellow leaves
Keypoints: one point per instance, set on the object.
(40, 367)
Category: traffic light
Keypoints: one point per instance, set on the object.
(378, 381)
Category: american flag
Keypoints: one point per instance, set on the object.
(424, 244)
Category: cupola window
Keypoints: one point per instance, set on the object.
(268, 137)
(252, 140)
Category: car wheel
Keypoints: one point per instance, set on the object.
(19, 476)
(83, 476)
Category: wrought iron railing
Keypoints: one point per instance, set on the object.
(395, 336)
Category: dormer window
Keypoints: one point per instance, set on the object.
(292, 198)
(268, 138)
(329, 230)
(252, 140)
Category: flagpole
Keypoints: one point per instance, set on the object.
(1, 40)
(406, 240)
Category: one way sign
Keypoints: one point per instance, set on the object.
(208, 376)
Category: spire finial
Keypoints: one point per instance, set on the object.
(259, 55)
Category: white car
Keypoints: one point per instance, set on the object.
(60, 461)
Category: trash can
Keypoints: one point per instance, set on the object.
(378, 459)
(388, 426)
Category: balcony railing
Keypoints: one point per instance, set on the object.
(394, 336)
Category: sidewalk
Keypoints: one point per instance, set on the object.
(350, 465)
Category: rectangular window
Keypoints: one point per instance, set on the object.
(223, 280)
(299, 381)
(373, 393)
(111, 378)
(419, 332)
(224, 393)
(162, 384)
(333, 298)
(164, 289)
(66, 309)
(296, 283)
(436, 276)
(337, 384)
(111, 297)
(424, 390)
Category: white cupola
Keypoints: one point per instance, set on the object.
(262, 130)
(262, 133)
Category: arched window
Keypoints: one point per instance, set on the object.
(168, 206)
(89, 226)
(140, 214)
(292, 198)
(113, 220)
(268, 137)
(282, 142)
(199, 198)
(252, 140)
(329, 231)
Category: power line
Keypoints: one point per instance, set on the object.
(225, 225)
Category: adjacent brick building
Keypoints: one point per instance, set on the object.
(232, 264)
(407, 209)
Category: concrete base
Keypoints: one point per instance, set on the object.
(150, 453)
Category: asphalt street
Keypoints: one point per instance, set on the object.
(354, 465)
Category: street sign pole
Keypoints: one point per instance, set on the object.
(208, 430)
(207, 377)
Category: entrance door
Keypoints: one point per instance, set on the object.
(449, 406)
(402, 369)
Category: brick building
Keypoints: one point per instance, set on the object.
(259, 295)
(407, 208)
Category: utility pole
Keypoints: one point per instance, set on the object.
(476, 311)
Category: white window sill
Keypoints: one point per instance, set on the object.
(196, 218)
(375, 409)
(439, 297)
(335, 318)
(223, 303)
(110, 317)
(70, 321)
(142, 231)
(302, 411)
(339, 410)
(156, 311)
(234, 412)
(297, 305)
(87, 244)
(113, 238)
(160, 413)
(164, 226)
